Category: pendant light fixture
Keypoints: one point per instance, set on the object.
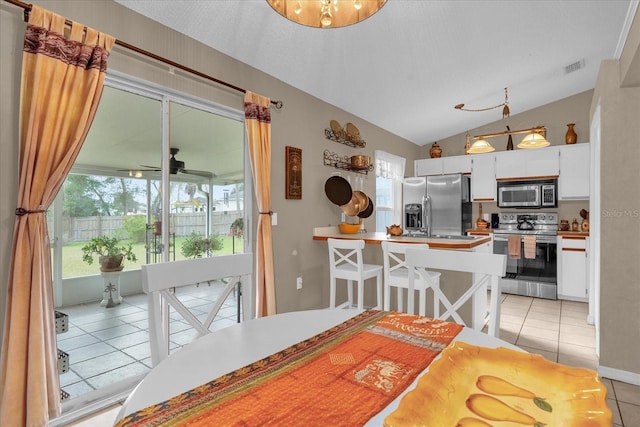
(480, 146)
(504, 105)
(326, 13)
(534, 139)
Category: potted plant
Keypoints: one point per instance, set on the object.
(237, 227)
(110, 252)
(196, 245)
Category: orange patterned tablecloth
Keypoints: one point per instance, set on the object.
(343, 376)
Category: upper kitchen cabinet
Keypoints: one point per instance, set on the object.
(426, 167)
(573, 183)
(483, 178)
(540, 162)
(456, 164)
(442, 165)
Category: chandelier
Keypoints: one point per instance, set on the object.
(326, 13)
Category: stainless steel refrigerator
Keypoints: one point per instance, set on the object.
(436, 205)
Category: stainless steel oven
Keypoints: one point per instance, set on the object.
(531, 261)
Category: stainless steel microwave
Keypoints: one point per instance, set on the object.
(528, 194)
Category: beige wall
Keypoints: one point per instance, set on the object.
(554, 116)
(620, 217)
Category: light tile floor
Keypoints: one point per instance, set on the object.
(106, 345)
(557, 330)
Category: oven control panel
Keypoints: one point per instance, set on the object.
(526, 223)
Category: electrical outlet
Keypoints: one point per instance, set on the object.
(299, 283)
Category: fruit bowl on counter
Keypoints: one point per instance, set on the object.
(346, 228)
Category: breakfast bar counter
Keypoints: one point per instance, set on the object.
(375, 238)
(457, 284)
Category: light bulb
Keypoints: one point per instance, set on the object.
(357, 5)
(325, 18)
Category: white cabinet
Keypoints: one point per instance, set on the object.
(442, 165)
(483, 178)
(573, 268)
(573, 183)
(425, 167)
(540, 162)
(456, 164)
(489, 245)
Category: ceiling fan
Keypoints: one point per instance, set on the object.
(176, 166)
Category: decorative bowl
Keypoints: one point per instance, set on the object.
(346, 228)
(394, 230)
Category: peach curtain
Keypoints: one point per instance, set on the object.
(258, 121)
(63, 73)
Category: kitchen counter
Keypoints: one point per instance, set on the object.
(484, 231)
(464, 242)
(573, 233)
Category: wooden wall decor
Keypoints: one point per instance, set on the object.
(293, 172)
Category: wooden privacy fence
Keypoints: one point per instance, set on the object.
(80, 229)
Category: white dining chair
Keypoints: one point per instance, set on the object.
(161, 280)
(396, 275)
(346, 263)
(486, 269)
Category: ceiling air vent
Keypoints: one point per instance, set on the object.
(574, 67)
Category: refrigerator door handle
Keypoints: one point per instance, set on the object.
(426, 214)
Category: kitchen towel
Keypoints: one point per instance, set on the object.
(514, 246)
(530, 247)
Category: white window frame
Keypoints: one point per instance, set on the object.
(390, 166)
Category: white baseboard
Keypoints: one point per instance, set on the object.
(619, 375)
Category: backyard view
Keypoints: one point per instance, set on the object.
(74, 266)
(128, 209)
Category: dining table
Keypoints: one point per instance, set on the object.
(231, 350)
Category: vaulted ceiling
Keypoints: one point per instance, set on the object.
(405, 68)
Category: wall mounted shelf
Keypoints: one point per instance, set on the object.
(343, 162)
(329, 134)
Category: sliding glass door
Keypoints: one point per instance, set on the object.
(159, 171)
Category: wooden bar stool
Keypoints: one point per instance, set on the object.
(345, 262)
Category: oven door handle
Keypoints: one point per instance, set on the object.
(539, 239)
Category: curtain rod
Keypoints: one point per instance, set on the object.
(27, 8)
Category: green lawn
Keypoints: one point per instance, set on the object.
(72, 264)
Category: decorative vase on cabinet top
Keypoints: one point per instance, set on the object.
(571, 137)
(435, 151)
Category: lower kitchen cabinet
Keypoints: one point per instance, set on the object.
(573, 268)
